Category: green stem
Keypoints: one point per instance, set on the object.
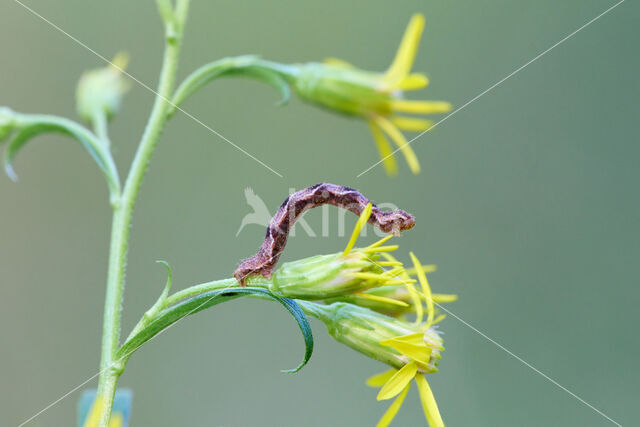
(99, 120)
(110, 366)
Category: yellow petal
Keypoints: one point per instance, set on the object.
(442, 298)
(378, 380)
(417, 302)
(336, 62)
(439, 319)
(418, 352)
(382, 299)
(389, 263)
(380, 242)
(399, 282)
(388, 248)
(398, 381)
(426, 290)
(420, 107)
(406, 53)
(397, 137)
(411, 124)
(413, 82)
(429, 405)
(390, 258)
(390, 414)
(366, 276)
(427, 268)
(384, 149)
(416, 338)
(364, 217)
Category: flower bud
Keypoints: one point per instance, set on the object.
(102, 89)
(338, 88)
(326, 276)
(381, 337)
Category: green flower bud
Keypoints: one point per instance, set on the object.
(327, 276)
(102, 89)
(342, 89)
(380, 337)
(7, 122)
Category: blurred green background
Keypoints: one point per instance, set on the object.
(528, 203)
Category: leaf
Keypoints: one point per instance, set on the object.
(29, 126)
(249, 66)
(173, 314)
(167, 286)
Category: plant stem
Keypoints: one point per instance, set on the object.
(99, 119)
(110, 367)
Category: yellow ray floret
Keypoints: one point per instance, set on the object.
(420, 107)
(429, 405)
(382, 299)
(398, 381)
(364, 217)
(384, 149)
(391, 412)
(426, 290)
(427, 268)
(411, 123)
(381, 241)
(443, 298)
(412, 346)
(413, 293)
(406, 53)
(401, 142)
(413, 82)
(388, 248)
(378, 380)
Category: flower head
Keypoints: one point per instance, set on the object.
(356, 298)
(345, 274)
(410, 350)
(376, 97)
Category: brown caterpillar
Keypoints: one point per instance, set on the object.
(295, 205)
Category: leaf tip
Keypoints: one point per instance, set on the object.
(11, 173)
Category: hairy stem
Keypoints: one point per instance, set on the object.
(110, 367)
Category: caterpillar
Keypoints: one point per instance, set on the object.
(295, 205)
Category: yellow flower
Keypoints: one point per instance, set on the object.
(376, 97)
(412, 349)
(342, 275)
(357, 294)
(421, 351)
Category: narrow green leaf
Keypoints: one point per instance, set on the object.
(171, 315)
(167, 286)
(31, 125)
